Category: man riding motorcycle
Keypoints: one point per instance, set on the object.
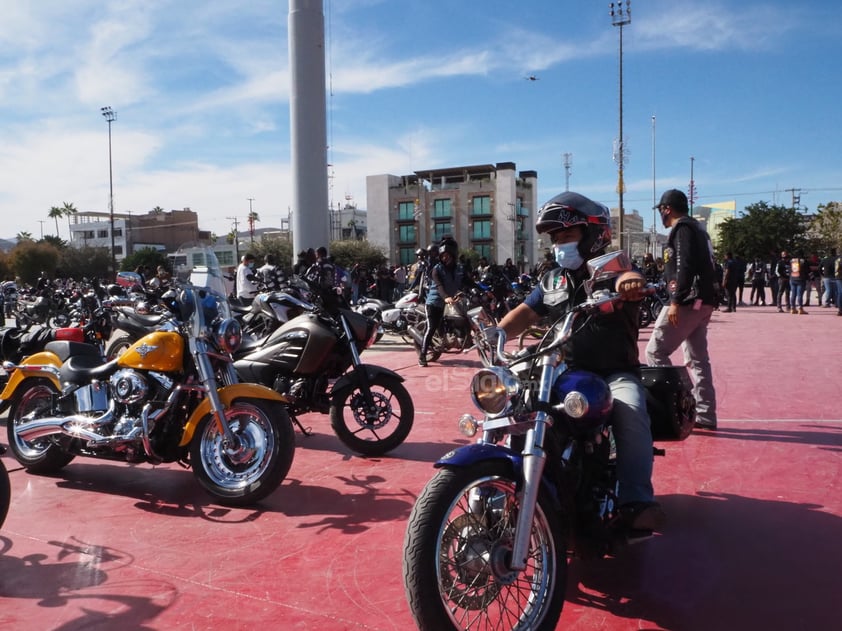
(579, 230)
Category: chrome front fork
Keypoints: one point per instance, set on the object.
(534, 459)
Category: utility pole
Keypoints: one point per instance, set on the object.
(692, 190)
(110, 116)
(568, 167)
(236, 239)
(251, 219)
(620, 17)
(796, 197)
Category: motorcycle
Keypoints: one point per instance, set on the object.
(172, 396)
(461, 327)
(394, 318)
(314, 360)
(5, 489)
(488, 538)
(657, 299)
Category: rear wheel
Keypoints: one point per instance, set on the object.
(118, 346)
(457, 554)
(242, 474)
(33, 401)
(5, 492)
(374, 430)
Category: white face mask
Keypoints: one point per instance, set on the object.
(567, 255)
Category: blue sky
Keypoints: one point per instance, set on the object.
(750, 90)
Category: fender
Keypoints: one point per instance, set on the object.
(227, 394)
(470, 455)
(372, 370)
(43, 364)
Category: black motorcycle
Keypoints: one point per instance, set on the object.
(461, 327)
(489, 537)
(314, 359)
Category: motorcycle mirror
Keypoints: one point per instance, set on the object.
(606, 267)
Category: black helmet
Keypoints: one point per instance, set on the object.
(432, 249)
(571, 209)
(420, 252)
(448, 245)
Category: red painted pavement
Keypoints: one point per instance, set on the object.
(755, 516)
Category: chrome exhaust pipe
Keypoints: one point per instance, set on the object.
(76, 426)
(415, 335)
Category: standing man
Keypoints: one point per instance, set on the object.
(781, 272)
(689, 273)
(270, 274)
(828, 280)
(246, 281)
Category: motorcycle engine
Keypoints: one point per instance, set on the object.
(128, 386)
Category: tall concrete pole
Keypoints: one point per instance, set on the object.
(308, 124)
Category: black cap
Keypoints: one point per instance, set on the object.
(674, 199)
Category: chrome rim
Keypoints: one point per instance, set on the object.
(244, 465)
(34, 403)
(474, 547)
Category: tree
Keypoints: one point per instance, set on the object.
(762, 231)
(252, 219)
(85, 262)
(827, 226)
(28, 259)
(55, 213)
(348, 253)
(157, 210)
(58, 242)
(146, 257)
(24, 236)
(68, 210)
(281, 249)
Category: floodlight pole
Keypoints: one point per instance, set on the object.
(110, 117)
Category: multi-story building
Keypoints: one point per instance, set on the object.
(160, 230)
(637, 241)
(487, 208)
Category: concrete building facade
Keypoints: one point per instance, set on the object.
(487, 208)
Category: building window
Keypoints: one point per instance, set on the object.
(484, 250)
(102, 234)
(118, 249)
(406, 233)
(118, 232)
(442, 208)
(442, 229)
(481, 205)
(225, 258)
(481, 229)
(406, 256)
(406, 211)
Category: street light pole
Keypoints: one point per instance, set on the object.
(620, 17)
(654, 191)
(110, 117)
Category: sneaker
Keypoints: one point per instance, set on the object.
(780, 310)
(422, 361)
(703, 423)
(643, 515)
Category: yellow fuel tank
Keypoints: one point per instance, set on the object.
(161, 350)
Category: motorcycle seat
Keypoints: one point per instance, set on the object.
(149, 321)
(65, 349)
(82, 369)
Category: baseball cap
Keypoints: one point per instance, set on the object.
(674, 198)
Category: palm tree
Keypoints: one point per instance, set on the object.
(24, 236)
(252, 219)
(55, 213)
(68, 210)
(157, 210)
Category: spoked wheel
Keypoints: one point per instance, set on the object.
(33, 401)
(118, 346)
(457, 554)
(375, 430)
(644, 315)
(251, 469)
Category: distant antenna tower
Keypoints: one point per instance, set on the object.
(568, 169)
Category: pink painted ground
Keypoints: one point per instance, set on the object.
(755, 516)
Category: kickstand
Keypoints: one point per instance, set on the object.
(304, 430)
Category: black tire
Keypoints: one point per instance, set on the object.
(33, 398)
(456, 555)
(390, 424)
(644, 314)
(118, 346)
(655, 309)
(5, 493)
(264, 427)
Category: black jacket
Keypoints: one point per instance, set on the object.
(688, 264)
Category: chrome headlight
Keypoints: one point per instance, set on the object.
(493, 388)
(228, 335)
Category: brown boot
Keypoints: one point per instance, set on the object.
(801, 311)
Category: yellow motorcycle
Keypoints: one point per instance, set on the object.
(172, 396)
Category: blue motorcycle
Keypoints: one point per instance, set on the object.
(488, 538)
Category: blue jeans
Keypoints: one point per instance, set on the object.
(830, 291)
(796, 293)
(691, 333)
(632, 433)
(839, 296)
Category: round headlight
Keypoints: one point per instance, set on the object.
(492, 388)
(229, 335)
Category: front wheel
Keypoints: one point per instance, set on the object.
(457, 554)
(373, 430)
(5, 492)
(118, 346)
(246, 472)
